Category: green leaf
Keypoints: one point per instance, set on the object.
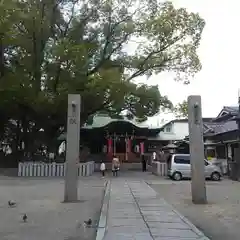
(50, 48)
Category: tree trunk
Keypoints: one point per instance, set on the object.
(16, 147)
(2, 62)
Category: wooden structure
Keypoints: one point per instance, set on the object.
(125, 138)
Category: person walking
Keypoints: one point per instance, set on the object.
(115, 166)
(103, 169)
(154, 156)
(144, 163)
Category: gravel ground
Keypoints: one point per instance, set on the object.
(219, 219)
(48, 217)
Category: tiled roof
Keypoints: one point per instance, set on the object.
(223, 124)
(231, 109)
(210, 127)
(101, 120)
(220, 127)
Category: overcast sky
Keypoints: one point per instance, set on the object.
(219, 79)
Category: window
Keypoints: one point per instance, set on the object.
(168, 129)
(182, 159)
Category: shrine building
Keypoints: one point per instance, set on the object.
(125, 138)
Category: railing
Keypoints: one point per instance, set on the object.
(32, 169)
(159, 168)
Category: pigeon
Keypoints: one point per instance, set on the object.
(11, 203)
(24, 218)
(88, 223)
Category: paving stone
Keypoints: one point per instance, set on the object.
(154, 205)
(163, 218)
(133, 210)
(136, 213)
(119, 236)
(121, 204)
(168, 225)
(124, 236)
(126, 222)
(128, 230)
(176, 238)
(125, 216)
(182, 233)
(164, 212)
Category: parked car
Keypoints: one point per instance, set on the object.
(179, 167)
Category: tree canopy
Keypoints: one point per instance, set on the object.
(181, 109)
(97, 48)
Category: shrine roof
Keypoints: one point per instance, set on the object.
(102, 120)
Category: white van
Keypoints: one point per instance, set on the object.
(179, 167)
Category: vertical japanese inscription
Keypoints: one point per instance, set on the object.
(72, 121)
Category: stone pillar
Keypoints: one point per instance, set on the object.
(196, 150)
(72, 151)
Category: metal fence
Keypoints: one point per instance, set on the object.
(32, 169)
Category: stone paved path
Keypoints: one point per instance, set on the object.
(136, 212)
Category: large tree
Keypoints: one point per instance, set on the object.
(49, 48)
(181, 110)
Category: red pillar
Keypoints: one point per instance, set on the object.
(109, 147)
(129, 145)
(141, 148)
(128, 148)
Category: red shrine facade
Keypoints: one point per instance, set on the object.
(128, 148)
(126, 139)
(123, 138)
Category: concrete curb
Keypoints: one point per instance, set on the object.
(102, 224)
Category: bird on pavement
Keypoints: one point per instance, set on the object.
(11, 203)
(24, 218)
(88, 223)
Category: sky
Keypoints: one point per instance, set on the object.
(218, 81)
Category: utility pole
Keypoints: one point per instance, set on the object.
(196, 150)
(72, 151)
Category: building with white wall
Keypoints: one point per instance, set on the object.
(174, 130)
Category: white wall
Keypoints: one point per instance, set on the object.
(180, 129)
